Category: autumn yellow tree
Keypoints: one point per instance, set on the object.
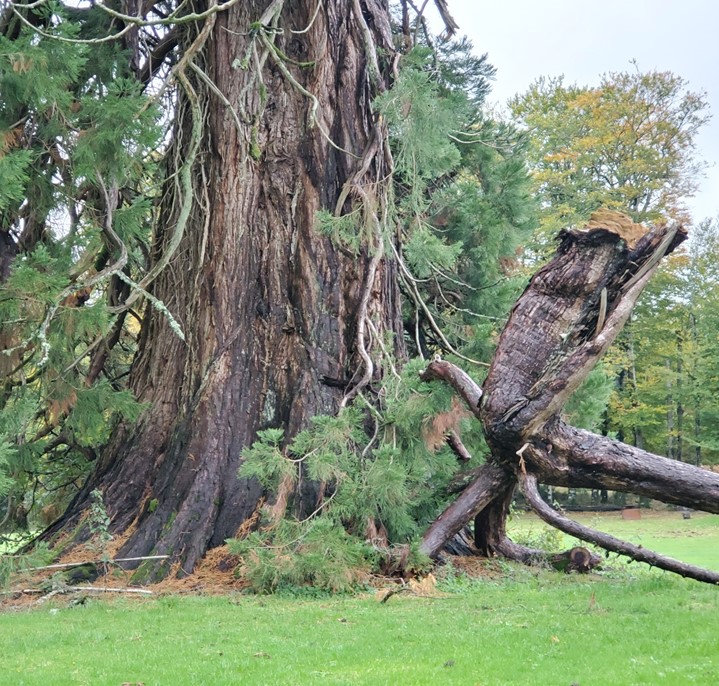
(626, 144)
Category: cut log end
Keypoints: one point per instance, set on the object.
(578, 559)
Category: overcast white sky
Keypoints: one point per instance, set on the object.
(526, 39)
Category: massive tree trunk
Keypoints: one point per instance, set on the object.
(570, 313)
(274, 314)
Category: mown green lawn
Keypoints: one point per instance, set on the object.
(629, 626)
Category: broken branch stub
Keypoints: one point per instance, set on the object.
(569, 314)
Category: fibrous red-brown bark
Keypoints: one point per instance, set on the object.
(270, 308)
(570, 313)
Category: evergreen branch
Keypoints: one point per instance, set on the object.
(320, 507)
(409, 282)
(474, 139)
(173, 18)
(84, 354)
(129, 21)
(64, 39)
(471, 313)
(378, 419)
(110, 197)
(31, 5)
(416, 328)
(458, 282)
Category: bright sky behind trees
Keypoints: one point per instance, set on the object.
(526, 39)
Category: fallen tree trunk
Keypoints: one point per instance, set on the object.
(570, 313)
(566, 456)
(577, 559)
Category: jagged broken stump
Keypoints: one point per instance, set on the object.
(569, 314)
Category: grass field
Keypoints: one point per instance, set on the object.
(518, 626)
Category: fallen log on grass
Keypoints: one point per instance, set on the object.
(528, 485)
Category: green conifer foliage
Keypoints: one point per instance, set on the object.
(463, 200)
(77, 142)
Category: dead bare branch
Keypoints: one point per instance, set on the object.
(528, 484)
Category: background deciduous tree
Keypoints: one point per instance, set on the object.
(627, 144)
(668, 361)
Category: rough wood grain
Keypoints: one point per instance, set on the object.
(569, 314)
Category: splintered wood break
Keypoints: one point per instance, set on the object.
(618, 223)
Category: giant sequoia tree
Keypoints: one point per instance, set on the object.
(291, 259)
(260, 320)
(270, 310)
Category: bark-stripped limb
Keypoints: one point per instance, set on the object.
(528, 484)
(457, 447)
(492, 480)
